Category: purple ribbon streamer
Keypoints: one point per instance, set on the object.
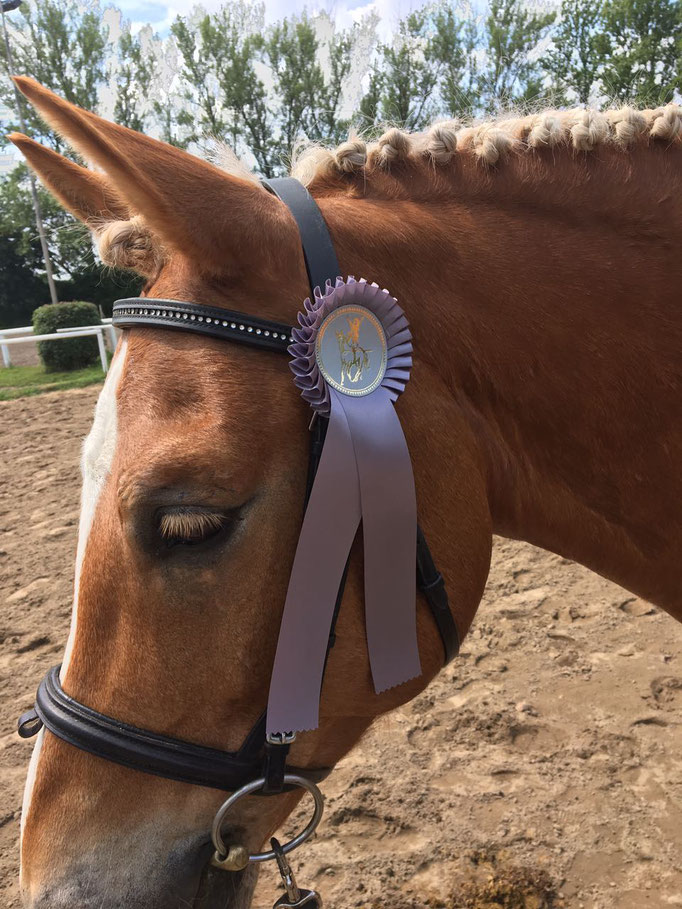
(389, 522)
(365, 471)
(329, 527)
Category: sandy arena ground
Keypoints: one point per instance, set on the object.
(542, 769)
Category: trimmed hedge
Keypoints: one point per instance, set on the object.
(73, 353)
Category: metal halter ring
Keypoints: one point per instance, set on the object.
(290, 779)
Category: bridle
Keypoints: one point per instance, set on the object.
(260, 758)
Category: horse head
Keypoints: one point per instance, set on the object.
(193, 481)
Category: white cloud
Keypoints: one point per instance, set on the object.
(344, 12)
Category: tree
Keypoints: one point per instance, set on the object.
(21, 288)
(510, 74)
(642, 46)
(79, 275)
(64, 48)
(221, 56)
(455, 45)
(262, 89)
(306, 102)
(576, 56)
(411, 69)
(134, 76)
(403, 86)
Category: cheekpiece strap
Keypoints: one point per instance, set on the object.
(318, 250)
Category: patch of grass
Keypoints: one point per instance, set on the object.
(21, 381)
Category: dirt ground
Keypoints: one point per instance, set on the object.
(542, 769)
(24, 354)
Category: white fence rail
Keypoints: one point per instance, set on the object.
(108, 327)
(97, 330)
(25, 333)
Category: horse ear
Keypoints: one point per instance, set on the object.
(221, 222)
(86, 194)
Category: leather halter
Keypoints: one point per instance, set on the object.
(161, 755)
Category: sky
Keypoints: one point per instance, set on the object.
(160, 13)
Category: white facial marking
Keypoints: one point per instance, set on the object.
(96, 461)
(98, 455)
(31, 778)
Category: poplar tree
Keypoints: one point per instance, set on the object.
(305, 102)
(455, 45)
(576, 57)
(410, 71)
(642, 49)
(510, 75)
(134, 76)
(63, 48)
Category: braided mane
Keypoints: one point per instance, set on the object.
(490, 141)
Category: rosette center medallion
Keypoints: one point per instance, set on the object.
(351, 350)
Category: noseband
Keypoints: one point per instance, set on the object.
(161, 755)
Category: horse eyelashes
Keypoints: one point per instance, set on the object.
(188, 526)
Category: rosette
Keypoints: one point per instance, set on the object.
(351, 359)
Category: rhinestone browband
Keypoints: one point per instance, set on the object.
(219, 323)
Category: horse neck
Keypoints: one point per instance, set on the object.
(552, 315)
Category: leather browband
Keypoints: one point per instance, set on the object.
(205, 320)
(141, 749)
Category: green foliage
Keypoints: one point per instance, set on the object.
(576, 58)
(429, 69)
(23, 285)
(221, 85)
(409, 73)
(443, 61)
(69, 241)
(62, 46)
(133, 81)
(72, 353)
(307, 103)
(221, 57)
(512, 31)
(642, 50)
(455, 46)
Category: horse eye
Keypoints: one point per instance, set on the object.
(187, 526)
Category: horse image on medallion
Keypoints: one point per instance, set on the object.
(354, 357)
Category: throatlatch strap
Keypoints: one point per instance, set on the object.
(430, 582)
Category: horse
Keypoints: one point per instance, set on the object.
(537, 260)
(354, 357)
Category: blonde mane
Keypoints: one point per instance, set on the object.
(491, 140)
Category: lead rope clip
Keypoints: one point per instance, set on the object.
(294, 895)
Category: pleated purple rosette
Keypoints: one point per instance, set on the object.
(365, 474)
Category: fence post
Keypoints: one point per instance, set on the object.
(6, 359)
(113, 340)
(102, 350)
